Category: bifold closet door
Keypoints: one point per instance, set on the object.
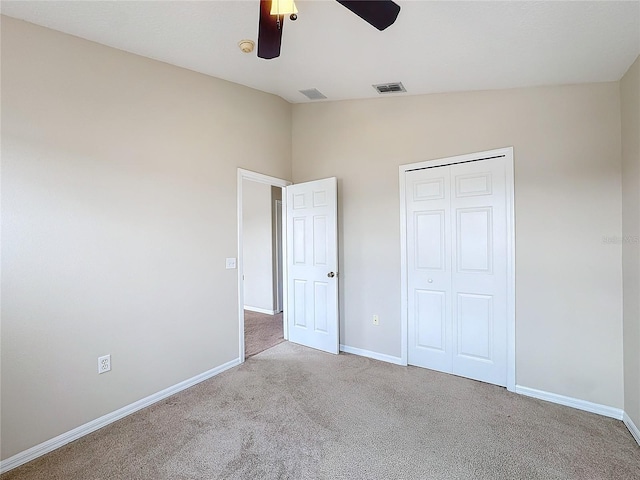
(457, 269)
(428, 211)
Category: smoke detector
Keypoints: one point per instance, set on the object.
(246, 45)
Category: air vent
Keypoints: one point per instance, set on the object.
(312, 94)
(390, 87)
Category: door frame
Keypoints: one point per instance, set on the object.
(279, 277)
(507, 153)
(274, 182)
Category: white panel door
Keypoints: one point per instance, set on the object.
(457, 269)
(312, 262)
(429, 268)
(479, 270)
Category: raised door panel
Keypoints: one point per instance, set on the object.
(429, 189)
(474, 232)
(299, 241)
(474, 326)
(320, 301)
(430, 320)
(300, 303)
(320, 249)
(430, 240)
(474, 184)
(299, 201)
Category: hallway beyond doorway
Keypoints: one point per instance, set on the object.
(261, 331)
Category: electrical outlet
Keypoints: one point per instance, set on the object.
(376, 320)
(231, 263)
(104, 364)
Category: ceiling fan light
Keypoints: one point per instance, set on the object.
(283, 7)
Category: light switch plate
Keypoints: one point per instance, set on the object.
(231, 263)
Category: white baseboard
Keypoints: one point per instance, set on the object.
(632, 427)
(57, 442)
(369, 354)
(598, 408)
(260, 310)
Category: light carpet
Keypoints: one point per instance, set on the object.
(261, 331)
(296, 413)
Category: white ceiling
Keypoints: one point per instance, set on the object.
(434, 46)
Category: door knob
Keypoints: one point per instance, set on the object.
(331, 274)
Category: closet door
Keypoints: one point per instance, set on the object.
(429, 268)
(479, 270)
(457, 270)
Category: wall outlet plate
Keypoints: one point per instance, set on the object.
(231, 263)
(104, 363)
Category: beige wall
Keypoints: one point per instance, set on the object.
(567, 193)
(118, 210)
(257, 238)
(630, 102)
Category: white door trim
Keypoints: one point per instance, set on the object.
(507, 153)
(279, 247)
(275, 182)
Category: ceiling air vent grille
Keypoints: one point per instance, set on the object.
(312, 94)
(390, 87)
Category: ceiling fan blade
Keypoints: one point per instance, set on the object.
(379, 13)
(269, 32)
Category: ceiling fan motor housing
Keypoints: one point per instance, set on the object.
(378, 13)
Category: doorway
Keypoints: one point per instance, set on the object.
(457, 242)
(262, 313)
(307, 267)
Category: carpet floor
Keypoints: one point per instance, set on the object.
(261, 331)
(296, 413)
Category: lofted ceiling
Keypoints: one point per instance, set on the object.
(434, 46)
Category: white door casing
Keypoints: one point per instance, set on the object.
(278, 263)
(312, 262)
(458, 275)
(243, 175)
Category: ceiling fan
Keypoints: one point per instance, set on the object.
(379, 13)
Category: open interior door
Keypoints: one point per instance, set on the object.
(312, 262)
